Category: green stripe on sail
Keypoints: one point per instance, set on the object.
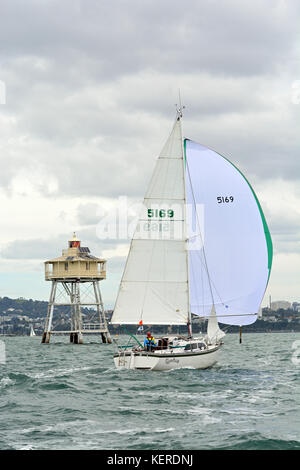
(264, 222)
(184, 145)
(266, 230)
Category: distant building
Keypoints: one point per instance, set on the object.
(284, 304)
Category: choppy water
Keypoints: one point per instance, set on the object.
(63, 396)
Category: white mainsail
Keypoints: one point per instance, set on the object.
(154, 287)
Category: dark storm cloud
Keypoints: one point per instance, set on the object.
(92, 87)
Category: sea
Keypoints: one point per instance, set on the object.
(61, 396)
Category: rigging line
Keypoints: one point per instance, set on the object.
(131, 335)
(163, 301)
(202, 263)
(202, 289)
(220, 315)
(213, 284)
(165, 198)
(204, 255)
(201, 296)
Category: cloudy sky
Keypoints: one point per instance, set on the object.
(87, 95)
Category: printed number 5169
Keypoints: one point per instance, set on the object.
(221, 199)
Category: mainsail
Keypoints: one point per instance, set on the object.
(154, 286)
(231, 249)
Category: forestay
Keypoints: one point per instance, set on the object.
(230, 248)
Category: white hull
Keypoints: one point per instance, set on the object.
(167, 360)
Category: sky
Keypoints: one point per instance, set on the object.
(87, 99)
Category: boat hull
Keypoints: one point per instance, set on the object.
(160, 362)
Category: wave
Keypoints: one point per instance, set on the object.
(72, 398)
(263, 444)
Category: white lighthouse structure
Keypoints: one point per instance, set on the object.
(75, 278)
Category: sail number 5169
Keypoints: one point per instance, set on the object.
(221, 199)
(160, 213)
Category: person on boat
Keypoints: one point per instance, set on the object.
(149, 342)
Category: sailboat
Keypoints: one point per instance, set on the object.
(32, 332)
(201, 247)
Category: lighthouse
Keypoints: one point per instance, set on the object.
(75, 282)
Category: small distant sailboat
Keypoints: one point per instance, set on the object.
(32, 332)
(202, 247)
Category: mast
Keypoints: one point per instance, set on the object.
(179, 111)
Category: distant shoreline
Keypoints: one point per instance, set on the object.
(162, 334)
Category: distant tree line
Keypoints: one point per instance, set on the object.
(285, 320)
(31, 308)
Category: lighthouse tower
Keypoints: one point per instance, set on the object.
(75, 280)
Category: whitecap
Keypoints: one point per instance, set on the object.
(6, 381)
(27, 447)
(57, 372)
(163, 430)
